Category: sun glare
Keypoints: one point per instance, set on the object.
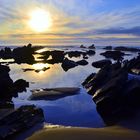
(40, 20)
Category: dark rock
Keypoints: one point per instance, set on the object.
(112, 88)
(57, 56)
(6, 105)
(88, 79)
(116, 97)
(82, 46)
(74, 53)
(108, 48)
(85, 57)
(116, 55)
(131, 93)
(24, 54)
(21, 85)
(43, 69)
(122, 48)
(133, 66)
(6, 53)
(19, 120)
(45, 55)
(92, 46)
(90, 52)
(101, 63)
(68, 64)
(28, 69)
(82, 62)
(8, 88)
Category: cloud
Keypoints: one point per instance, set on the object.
(132, 31)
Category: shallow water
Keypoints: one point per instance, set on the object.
(77, 110)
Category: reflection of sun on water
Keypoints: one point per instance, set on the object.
(39, 67)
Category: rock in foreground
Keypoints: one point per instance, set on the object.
(116, 97)
(18, 120)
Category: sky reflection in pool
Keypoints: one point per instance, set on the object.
(77, 110)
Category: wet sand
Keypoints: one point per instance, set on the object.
(125, 130)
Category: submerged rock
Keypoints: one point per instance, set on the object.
(68, 64)
(53, 93)
(101, 63)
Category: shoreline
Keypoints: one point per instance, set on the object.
(125, 130)
(111, 133)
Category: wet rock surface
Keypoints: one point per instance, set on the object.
(133, 66)
(14, 121)
(116, 97)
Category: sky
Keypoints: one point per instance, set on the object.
(74, 22)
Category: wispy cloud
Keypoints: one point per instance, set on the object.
(77, 20)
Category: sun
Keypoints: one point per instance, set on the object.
(40, 20)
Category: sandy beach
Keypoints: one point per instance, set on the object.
(108, 133)
(125, 130)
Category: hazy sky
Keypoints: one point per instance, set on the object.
(103, 22)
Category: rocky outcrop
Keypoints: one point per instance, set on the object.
(74, 53)
(133, 66)
(24, 54)
(101, 63)
(18, 120)
(6, 53)
(68, 64)
(116, 55)
(122, 48)
(92, 46)
(116, 97)
(8, 88)
(82, 46)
